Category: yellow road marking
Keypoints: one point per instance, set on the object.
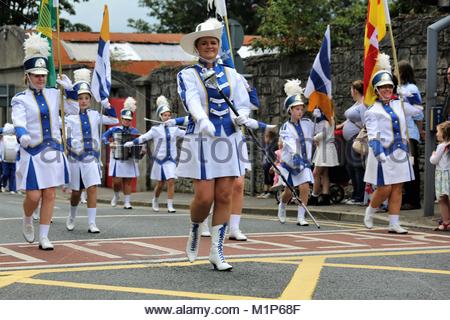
(301, 286)
(360, 266)
(172, 293)
(304, 280)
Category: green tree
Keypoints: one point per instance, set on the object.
(181, 16)
(24, 13)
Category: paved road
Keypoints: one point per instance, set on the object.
(140, 255)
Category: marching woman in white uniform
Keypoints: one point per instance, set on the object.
(388, 162)
(83, 141)
(211, 145)
(42, 165)
(122, 171)
(164, 153)
(297, 136)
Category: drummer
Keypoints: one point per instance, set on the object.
(121, 168)
(10, 148)
(83, 144)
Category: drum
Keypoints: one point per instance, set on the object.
(123, 153)
(10, 148)
(120, 152)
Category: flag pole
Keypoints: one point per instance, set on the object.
(61, 94)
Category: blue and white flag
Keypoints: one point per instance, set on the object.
(101, 78)
(218, 9)
(318, 87)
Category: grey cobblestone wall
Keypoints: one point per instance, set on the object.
(268, 74)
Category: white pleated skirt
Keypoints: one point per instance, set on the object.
(396, 169)
(87, 171)
(47, 169)
(206, 158)
(123, 168)
(305, 176)
(163, 172)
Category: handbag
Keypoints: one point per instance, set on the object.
(361, 143)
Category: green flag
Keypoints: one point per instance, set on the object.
(46, 24)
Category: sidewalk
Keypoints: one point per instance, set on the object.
(252, 205)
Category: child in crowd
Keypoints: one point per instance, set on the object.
(270, 143)
(324, 158)
(441, 159)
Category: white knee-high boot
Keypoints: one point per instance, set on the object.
(193, 241)
(216, 253)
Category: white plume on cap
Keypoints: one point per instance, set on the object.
(292, 87)
(35, 45)
(82, 75)
(383, 62)
(212, 23)
(162, 101)
(129, 104)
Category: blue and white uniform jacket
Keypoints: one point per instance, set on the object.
(36, 113)
(297, 140)
(83, 136)
(201, 101)
(386, 130)
(164, 142)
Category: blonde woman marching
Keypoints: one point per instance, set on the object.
(42, 166)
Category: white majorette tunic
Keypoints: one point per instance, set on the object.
(83, 143)
(121, 168)
(326, 153)
(42, 164)
(297, 147)
(386, 129)
(164, 150)
(203, 157)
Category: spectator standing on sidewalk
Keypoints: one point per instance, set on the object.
(270, 144)
(354, 162)
(409, 91)
(325, 157)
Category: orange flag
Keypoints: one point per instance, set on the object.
(374, 33)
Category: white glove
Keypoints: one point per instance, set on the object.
(75, 143)
(105, 103)
(240, 121)
(317, 113)
(206, 127)
(170, 123)
(381, 157)
(128, 144)
(65, 82)
(8, 128)
(25, 140)
(251, 124)
(403, 92)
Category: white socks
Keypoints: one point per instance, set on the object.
(394, 219)
(73, 211)
(43, 230)
(282, 205)
(371, 210)
(117, 194)
(92, 212)
(301, 213)
(27, 220)
(235, 219)
(127, 198)
(169, 203)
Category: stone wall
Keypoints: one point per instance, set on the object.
(268, 74)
